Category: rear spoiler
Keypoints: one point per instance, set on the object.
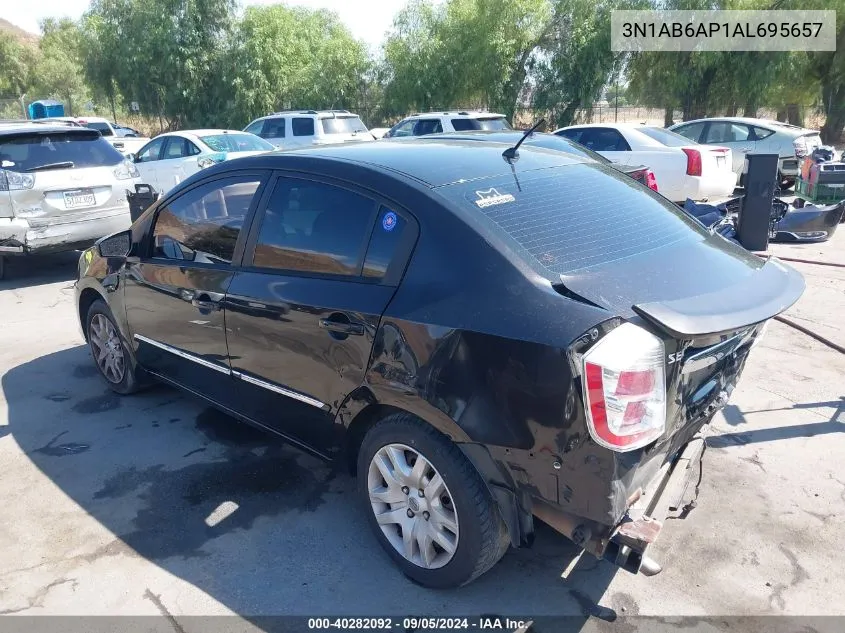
(770, 290)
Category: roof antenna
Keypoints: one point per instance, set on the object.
(512, 153)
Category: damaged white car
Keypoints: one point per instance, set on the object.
(61, 189)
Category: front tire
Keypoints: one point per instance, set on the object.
(427, 505)
(109, 351)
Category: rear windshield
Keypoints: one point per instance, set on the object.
(343, 125)
(564, 219)
(666, 137)
(29, 152)
(102, 128)
(237, 143)
(486, 123)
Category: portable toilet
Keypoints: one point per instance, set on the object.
(45, 108)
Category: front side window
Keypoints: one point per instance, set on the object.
(406, 128)
(427, 126)
(255, 127)
(274, 128)
(302, 126)
(150, 151)
(314, 227)
(203, 225)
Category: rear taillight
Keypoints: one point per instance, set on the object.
(800, 145)
(15, 181)
(650, 180)
(126, 170)
(693, 161)
(625, 388)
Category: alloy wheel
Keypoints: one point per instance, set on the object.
(107, 349)
(413, 506)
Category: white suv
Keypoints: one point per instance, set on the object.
(295, 128)
(436, 122)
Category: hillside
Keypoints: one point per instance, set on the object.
(17, 32)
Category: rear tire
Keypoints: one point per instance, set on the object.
(109, 351)
(456, 532)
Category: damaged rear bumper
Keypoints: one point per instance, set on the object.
(20, 236)
(670, 493)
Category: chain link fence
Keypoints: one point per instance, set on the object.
(12, 109)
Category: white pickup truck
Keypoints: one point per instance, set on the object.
(112, 133)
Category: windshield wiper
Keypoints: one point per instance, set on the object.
(67, 164)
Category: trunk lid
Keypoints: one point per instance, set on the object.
(715, 159)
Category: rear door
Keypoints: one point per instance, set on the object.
(321, 264)
(174, 290)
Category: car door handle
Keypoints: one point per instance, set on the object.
(342, 327)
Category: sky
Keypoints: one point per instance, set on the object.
(367, 19)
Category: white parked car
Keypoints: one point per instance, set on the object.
(760, 136)
(683, 169)
(296, 128)
(379, 132)
(170, 158)
(437, 122)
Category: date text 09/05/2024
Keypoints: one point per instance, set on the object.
(721, 29)
(417, 623)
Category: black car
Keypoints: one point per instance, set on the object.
(483, 340)
(640, 173)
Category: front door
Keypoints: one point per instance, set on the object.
(302, 312)
(174, 290)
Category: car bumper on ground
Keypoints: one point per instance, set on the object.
(19, 236)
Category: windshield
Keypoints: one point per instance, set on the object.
(666, 137)
(240, 142)
(102, 128)
(33, 151)
(564, 219)
(343, 125)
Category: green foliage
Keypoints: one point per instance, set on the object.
(17, 61)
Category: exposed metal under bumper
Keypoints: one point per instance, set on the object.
(672, 493)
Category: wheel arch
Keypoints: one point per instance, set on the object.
(362, 410)
(86, 298)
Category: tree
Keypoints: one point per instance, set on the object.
(58, 71)
(17, 63)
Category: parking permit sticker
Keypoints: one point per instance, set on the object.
(491, 197)
(388, 222)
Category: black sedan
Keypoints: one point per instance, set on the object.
(483, 335)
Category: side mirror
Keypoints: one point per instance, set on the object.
(132, 157)
(117, 245)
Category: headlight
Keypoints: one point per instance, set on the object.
(126, 170)
(15, 181)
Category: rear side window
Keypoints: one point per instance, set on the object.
(602, 139)
(727, 132)
(178, 147)
(564, 219)
(493, 123)
(302, 126)
(343, 125)
(384, 242)
(57, 150)
(314, 227)
(203, 224)
(761, 133)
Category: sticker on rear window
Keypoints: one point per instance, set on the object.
(388, 222)
(491, 197)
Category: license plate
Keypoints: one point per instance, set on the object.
(720, 161)
(79, 199)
